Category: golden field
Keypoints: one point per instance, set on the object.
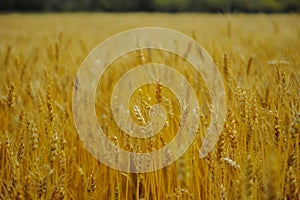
(257, 155)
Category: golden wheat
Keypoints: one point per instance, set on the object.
(257, 155)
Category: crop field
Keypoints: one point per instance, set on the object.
(257, 155)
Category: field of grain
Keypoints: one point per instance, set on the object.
(257, 155)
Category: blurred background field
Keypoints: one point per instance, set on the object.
(151, 5)
(257, 156)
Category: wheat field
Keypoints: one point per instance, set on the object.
(257, 155)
